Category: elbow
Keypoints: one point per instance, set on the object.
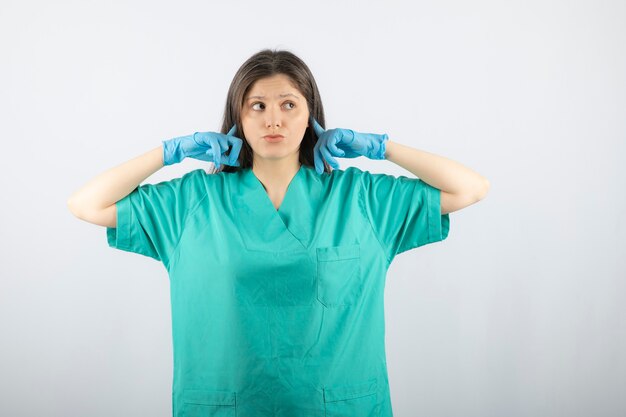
(480, 191)
(74, 209)
(70, 205)
(484, 189)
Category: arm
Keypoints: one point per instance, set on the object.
(459, 185)
(95, 201)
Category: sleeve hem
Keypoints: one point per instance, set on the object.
(438, 224)
(119, 237)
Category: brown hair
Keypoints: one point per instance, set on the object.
(266, 63)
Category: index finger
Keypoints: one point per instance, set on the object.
(234, 151)
(232, 130)
(316, 127)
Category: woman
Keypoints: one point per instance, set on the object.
(277, 263)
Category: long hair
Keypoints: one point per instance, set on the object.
(266, 63)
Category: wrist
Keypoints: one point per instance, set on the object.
(173, 150)
(382, 147)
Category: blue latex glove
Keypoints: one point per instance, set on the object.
(205, 146)
(345, 143)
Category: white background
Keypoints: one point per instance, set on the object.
(520, 312)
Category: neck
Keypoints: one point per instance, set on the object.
(276, 174)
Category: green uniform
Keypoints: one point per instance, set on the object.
(279, 312)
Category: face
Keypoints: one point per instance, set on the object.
(273, 106)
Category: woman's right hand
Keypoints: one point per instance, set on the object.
(205, 146)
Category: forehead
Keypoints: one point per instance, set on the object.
(276, 86)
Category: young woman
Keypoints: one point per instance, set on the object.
(277, 263)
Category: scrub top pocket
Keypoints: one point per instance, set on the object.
(339, 279)
(200, 403)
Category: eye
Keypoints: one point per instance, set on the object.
(258, 102)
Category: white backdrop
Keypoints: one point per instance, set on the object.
(519, 312)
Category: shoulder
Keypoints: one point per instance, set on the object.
(195, 176)
(202, 177)
(357, 177)
(191, 182)
(367, 178)
(337, 178)
(348, 174)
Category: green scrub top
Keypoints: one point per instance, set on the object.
(279, 312)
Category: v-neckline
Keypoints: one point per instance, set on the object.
(292, 226)
(290, 188)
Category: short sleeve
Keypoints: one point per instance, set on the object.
(405, 213)
(150, 219)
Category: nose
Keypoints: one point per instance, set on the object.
(273, 119)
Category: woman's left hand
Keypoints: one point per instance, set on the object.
(345, 143)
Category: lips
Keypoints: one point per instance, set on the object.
(274, 138)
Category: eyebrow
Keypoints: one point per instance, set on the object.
(280, 95)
